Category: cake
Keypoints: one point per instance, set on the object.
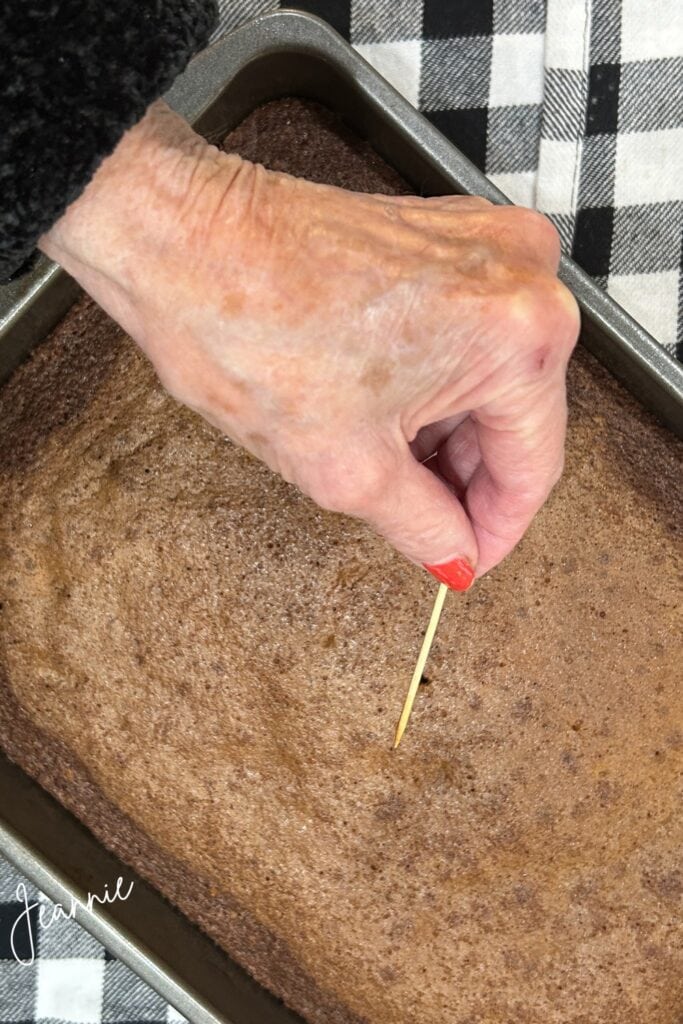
(207, 669)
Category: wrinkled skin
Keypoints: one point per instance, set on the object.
(342, 338)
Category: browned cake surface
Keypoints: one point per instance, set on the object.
(208, 670)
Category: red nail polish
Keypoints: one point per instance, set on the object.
(458, 574)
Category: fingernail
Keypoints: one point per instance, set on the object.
(457, 574)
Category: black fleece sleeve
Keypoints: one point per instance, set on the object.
(74, 75)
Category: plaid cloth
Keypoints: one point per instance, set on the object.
(56, 972)
(611, 151)
(572, 106)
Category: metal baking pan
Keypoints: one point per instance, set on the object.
(282, 54)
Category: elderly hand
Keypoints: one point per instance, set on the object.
(398, 359)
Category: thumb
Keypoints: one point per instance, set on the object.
(422, 518)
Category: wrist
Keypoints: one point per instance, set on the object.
(139, 207)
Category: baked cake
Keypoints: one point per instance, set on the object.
(207, 669)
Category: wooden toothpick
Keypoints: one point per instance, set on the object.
(421, 662)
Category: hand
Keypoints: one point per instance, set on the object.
(399, 359)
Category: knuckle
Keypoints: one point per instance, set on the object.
(367, 489)
(325, 488)
(543, 318)
(566, 311)
(330, 497)
(559, 315)
(337, 487)
(526, 311)
(542, 226)
(538, 230)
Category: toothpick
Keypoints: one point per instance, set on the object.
(421, 662)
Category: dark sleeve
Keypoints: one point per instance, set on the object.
(74, 75)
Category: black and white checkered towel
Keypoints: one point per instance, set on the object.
(573, 106)
(56, 973)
